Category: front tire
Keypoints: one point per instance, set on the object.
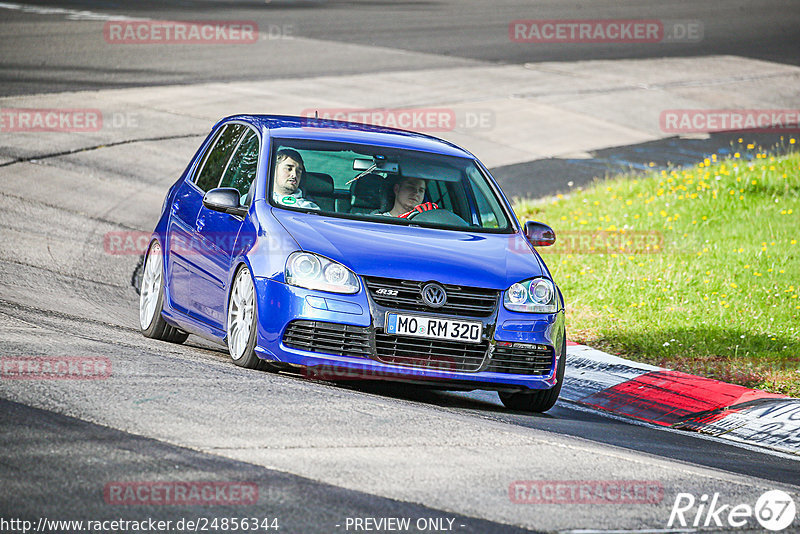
(539, 400)
(151, 299)
(243, 321)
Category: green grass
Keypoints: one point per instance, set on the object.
(695, 269)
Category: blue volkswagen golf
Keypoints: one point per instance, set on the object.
(353, 251)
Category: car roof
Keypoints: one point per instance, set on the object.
(291, 127)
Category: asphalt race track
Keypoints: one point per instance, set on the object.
(321, 457)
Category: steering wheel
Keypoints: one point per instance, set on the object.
(438, 216)
(420, 208)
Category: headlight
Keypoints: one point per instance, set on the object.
(537, 295)
(518, 294)
(304, 269)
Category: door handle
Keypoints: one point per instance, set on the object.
(201, 222)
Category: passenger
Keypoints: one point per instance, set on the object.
(408, 194)
(289, 172)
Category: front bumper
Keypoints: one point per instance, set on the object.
(307, 328)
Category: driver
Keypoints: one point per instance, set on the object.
(289, 172)
(408, 196)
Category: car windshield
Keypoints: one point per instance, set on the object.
(383, 184)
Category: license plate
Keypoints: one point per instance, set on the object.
(433, 327)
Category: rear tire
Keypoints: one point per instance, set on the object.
(538, 400)
(151, 300)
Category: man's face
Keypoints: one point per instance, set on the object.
(287, 176)
(409, 193)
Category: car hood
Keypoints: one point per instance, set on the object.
(413, 253)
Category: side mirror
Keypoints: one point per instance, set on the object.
(225, 200)
(539, 235)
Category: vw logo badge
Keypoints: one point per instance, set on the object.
(433, 295)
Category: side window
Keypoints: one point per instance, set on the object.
(487, 215)
(439, 193)
(218, 157)
(489, 209)
(242, 167)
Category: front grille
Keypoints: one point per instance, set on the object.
(429, 353)
(330, 338)
(461, 300)
(521, 361)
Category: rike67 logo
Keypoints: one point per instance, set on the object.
(774, 510)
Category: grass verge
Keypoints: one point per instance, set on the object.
(695, 269)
